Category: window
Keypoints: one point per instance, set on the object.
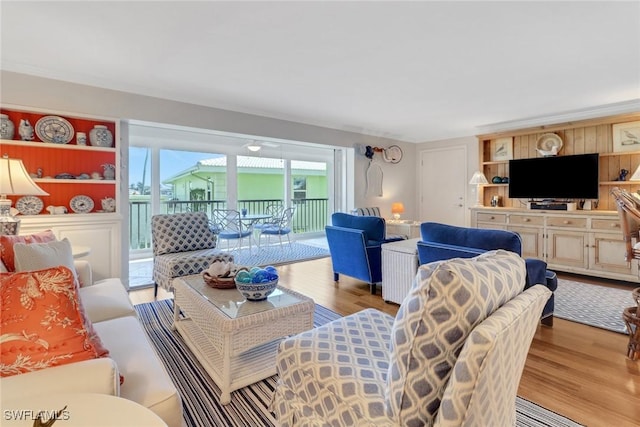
(299, 189)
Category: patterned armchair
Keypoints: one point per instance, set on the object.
(183, 244)
(453, 355)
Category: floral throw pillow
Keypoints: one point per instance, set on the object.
(43, 323)
(7, 242)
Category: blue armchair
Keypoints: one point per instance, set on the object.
(355, 247)
(443, 241)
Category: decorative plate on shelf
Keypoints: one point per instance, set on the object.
(29, 205)
(81, 204)
(549, 144)
(54, 129)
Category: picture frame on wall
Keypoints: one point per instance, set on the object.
(502, 149)
(626, 136)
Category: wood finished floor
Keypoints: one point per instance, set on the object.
(575, 370)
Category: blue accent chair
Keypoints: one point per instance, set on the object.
(442, 241)
(355, 247)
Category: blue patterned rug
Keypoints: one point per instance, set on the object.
(592, 305)
(277, 255)
(248, 407)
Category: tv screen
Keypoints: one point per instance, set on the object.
(554, 178)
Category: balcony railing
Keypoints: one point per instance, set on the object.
(311, 215)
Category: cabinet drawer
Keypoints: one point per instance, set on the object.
(605, 224)
(526, 220)
(491, 217)
(566, 221)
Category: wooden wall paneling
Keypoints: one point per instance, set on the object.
(604, 142)
(580, 137)
(590, 141)
(578, 140)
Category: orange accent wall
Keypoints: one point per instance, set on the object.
(56, 159)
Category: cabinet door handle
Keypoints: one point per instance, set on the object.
(566, 222)
(527, 220)
(614, 225)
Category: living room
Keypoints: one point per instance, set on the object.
(565, 91)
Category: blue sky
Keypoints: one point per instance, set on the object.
(171, 162)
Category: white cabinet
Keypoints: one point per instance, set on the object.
(577, 242)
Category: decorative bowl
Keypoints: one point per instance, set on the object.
(219, 282)
(256, 291)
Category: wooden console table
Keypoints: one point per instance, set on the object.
(583, 242)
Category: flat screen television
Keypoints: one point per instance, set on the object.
(555, 178)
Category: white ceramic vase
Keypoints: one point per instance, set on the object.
(7, 128)
(100, 136)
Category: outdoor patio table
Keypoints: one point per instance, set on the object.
(249, 220)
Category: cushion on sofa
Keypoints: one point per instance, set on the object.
(43, 322)
(147, 381)
(447, 300)
(106, 299)
(7, 242)
(39, 256)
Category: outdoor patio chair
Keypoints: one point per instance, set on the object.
(276, 213)
(279, 226)
(227, 224)
(183, 244)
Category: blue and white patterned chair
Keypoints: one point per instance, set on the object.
(453, 355)
(183, 244)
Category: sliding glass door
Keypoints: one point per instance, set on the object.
(169, 174)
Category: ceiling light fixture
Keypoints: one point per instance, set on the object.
(254, 146)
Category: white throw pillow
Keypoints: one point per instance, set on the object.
(39, 256)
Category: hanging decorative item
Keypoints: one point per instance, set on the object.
(392, 154)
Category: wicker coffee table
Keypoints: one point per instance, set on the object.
(236, 340)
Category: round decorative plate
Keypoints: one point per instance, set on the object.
(81, 204)
(54, 129)
(29, 205)
(548, 141)
(393, 154)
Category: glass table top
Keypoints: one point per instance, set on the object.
(233, 304)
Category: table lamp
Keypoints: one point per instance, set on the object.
(14, 181)
(478, 179)
(397, 208)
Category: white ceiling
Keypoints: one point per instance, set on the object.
(413, 71)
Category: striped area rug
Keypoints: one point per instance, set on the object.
(592, 305)
(248, 407)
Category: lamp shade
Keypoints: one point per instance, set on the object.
(14, 180)
(397, 208)
(478, 178)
